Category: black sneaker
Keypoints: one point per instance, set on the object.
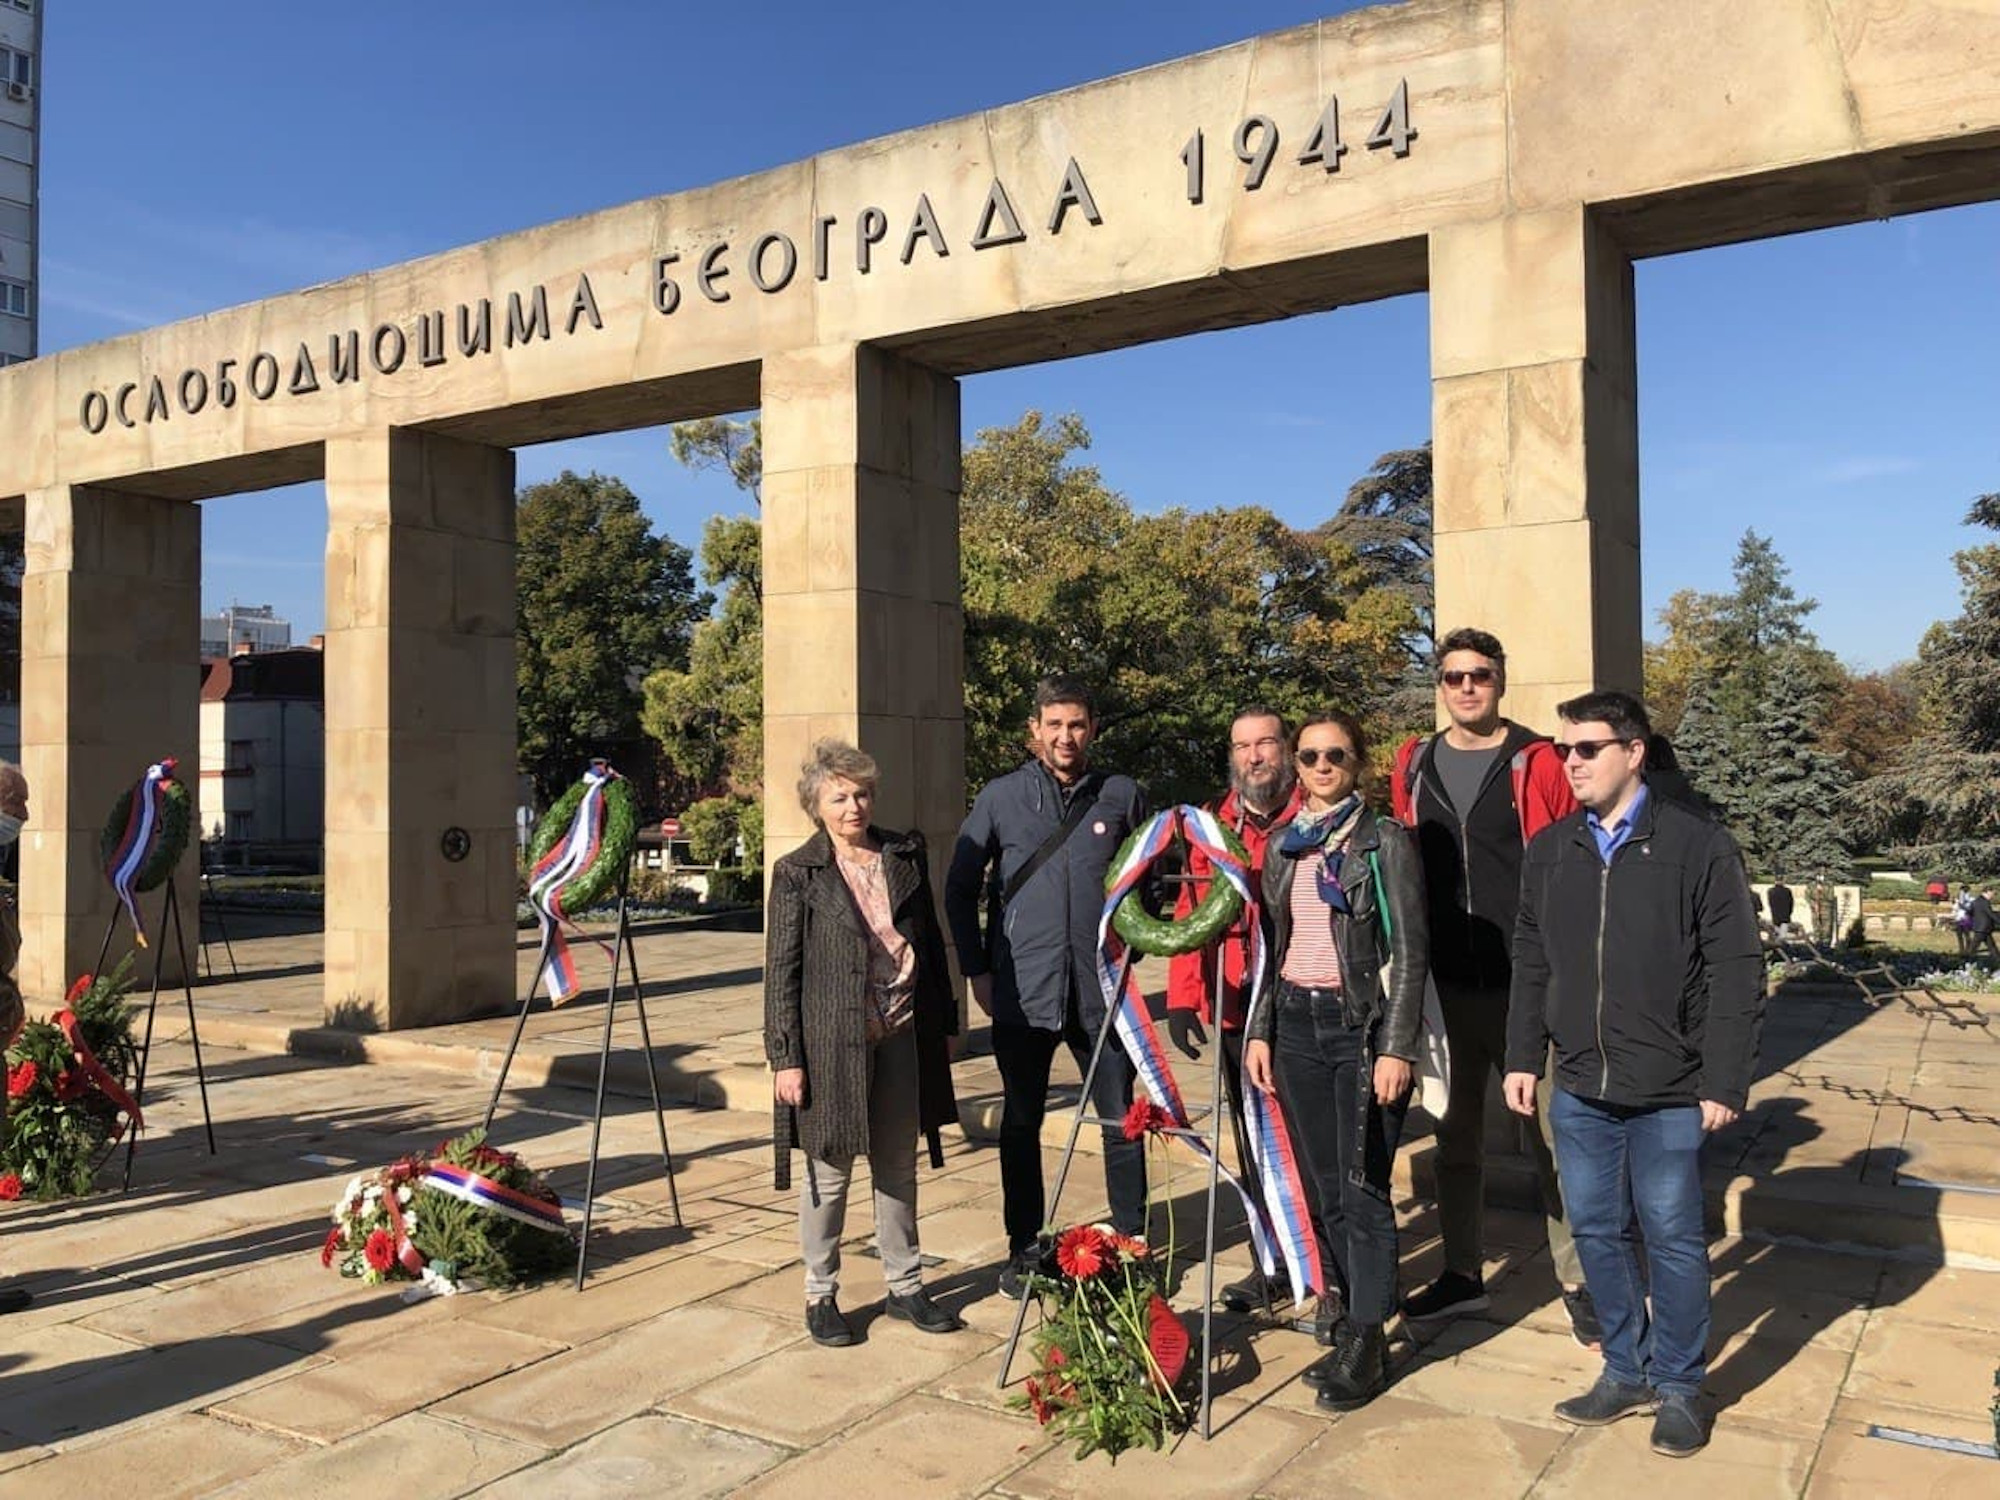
(826, 1325)
(1256, 1292)
(916, 1308)
(1605, 1402)
(1678, 1428)
(1019, 1273)
(1447, 1297)
(1583, 1324)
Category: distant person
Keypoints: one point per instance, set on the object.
(1961, 920)
(858, 1019)
(1937, 890)
(1474, 794)
(1636, 958)
(1780, 904)
(1980, 913)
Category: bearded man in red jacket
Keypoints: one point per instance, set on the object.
(1262, 798)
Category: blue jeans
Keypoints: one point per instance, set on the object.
(1619, 1164)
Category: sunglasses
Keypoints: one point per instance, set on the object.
(1477, 676)
(1335, 756)
(1587, 749)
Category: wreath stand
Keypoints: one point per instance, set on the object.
(203, 912)
(1219, 1103)
(170, 917)
(624, 957)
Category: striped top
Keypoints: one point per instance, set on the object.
(1311, 957)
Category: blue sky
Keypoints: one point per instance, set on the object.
(1837, 390)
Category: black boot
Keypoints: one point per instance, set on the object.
(1360, 1368)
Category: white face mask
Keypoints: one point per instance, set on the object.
(10, 829)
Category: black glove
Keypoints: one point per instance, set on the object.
(1184, 1026)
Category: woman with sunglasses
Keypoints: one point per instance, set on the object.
(1334, 1035)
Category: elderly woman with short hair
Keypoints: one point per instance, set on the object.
(858, 1012)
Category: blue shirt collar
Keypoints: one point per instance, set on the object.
(1611, 839)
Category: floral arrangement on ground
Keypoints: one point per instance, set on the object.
(1111, 1352)
(459, 1218)
(66, 1101)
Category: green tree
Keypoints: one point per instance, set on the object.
(1794, 793)
(1759, 618)
(1708, 752)
(708, 715)
(1938, 803)
(1684, 654)
(600, 602)
(731, 444)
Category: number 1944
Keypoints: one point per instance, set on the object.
(1256, 143)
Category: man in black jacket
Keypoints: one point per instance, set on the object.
(1038, 841)
(1636, 956)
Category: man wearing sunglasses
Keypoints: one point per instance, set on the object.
(1475, 794)
(1263, 797)
(1636, 957)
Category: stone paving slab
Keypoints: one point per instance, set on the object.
(186, 1341)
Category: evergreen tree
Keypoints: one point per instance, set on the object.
(1709, 756)
(1793, 792)
(1938, 804)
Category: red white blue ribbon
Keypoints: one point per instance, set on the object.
(135, 845)
(469, 1186)
(574, 854)
(1286, 1229)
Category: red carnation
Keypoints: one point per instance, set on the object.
(22, 1078)
(1145, 1116)
(331, 1247)
(10, 1187)
(380, 1250)
(78, 990)
(1083, 1251)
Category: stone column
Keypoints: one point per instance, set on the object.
(1534, 417)
(863, 634)
(110, 683)
(419, 728)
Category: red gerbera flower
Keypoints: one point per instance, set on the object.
(1145, 1116)
(22, 1078)
(331, 1247)
(1131, 1246)
(10, 1187)
(78, 990)
(380, 1250)
(1083, 1251)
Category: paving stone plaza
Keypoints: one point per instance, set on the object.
(185, 1340)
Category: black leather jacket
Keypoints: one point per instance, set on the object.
(1392, 1019)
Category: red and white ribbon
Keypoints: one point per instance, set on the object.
(558, 869)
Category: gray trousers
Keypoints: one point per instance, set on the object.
(1475, 1025)
(892, 1165)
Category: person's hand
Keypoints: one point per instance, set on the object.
(789, 1084)
(982, 993)
(1184, 1026)
(1393, 1077)
(1257, 1064)
(1518, 1089)
(1714, 1116)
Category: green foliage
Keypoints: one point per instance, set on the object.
(614, 850)
(169, 842)
(711, 826)
(1793, 789)
(727, 443)
(59, 1126)
(1938, 802)
(709, 715)
(464, 1241)
(601, 603)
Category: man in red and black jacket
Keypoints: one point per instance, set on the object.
(1263, 797)
(1475, 794)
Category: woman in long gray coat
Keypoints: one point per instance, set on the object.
(858, 1012)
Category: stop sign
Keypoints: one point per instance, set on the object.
(670, 828)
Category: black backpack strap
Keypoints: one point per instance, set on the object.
(1079, 809)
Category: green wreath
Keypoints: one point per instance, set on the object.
(614, 850)
(176, 813)
(1159, 937)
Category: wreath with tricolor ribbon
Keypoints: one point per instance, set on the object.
(145, 836)
(580, 849)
